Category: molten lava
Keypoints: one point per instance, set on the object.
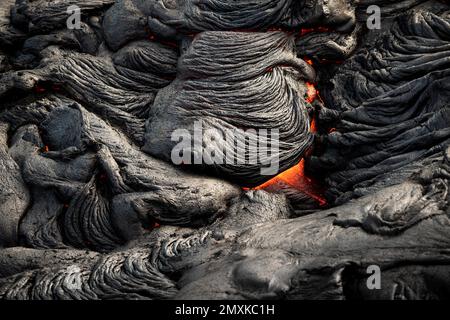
(296, 177)
(311, 92)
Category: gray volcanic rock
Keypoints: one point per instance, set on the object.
(258, 85)
(392, 106)
(14, 196)
(123, 22)
(47, 15)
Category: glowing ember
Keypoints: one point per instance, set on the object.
(311, 92)
(313, 126)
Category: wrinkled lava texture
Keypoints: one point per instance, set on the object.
(92, 207)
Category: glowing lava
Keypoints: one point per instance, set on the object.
(311, 92)
(39, 89)
(296, 177)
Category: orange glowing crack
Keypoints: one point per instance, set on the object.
(289, 176)
(311, 92)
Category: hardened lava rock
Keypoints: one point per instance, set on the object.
(242, 256)
(208, 91)
(391, 107)
(93, 207)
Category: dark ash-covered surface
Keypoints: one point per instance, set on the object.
(91, 206)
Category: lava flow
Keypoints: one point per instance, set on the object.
(296, 177)
(311, 92)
